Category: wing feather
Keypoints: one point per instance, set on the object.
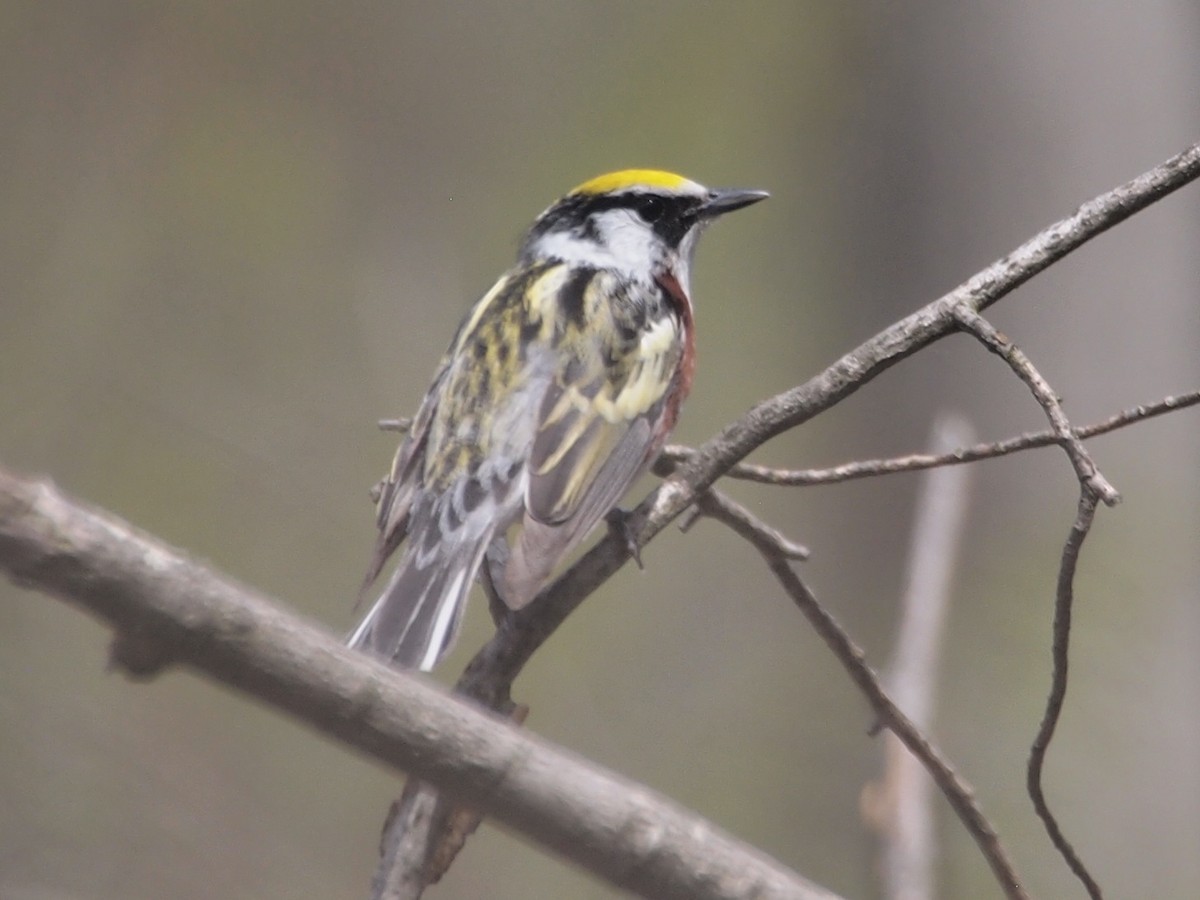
(598, 429)
(399, 488)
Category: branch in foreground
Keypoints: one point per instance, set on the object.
(167, 609)
(957, 792)
(915, 462)
(489, 677)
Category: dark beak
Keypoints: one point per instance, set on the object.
(723, 200)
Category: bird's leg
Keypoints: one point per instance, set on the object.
(491, 576)
(618, 523)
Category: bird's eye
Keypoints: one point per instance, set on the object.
(651, 209)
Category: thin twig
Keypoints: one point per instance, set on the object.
(1063, 602)
(674, 454)
(728, 511)
(400, 425)
(1093, 487)
(999, 344)
(957, 791)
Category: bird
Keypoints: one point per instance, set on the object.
(558, 390)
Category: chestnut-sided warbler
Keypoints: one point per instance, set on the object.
(558, 390)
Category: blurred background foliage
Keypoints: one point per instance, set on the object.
(232, 236)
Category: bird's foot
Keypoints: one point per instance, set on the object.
(618, 521)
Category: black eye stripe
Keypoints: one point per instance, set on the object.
(651, 208)
(661, 205)
(670, 216)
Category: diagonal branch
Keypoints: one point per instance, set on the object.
(721, 508)
(167, 609)
(490, 675)
(778, 556)
(492, 671)
(999, 344)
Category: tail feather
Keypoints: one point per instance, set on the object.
(417, 617)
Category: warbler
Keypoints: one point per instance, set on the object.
(558, 390)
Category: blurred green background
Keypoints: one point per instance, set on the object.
(232, 236)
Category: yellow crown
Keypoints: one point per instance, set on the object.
(630, 178)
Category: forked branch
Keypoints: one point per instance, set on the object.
(777, 553)
(166, 609)
(490, 675)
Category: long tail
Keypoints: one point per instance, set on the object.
(416, 619)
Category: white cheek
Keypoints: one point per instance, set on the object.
(570, 249)
(687, 250)
(625, 244)
(627, 239)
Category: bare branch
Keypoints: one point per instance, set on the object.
(724, 509)
(1094, 487)
(489, 677)
(1064, 600)
(999, 344)
(674, 454)
(956, 790)
(167, 609)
